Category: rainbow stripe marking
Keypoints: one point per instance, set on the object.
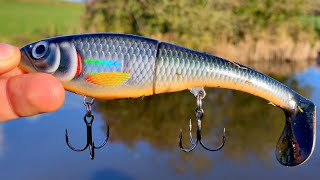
(102, 62)
(108, 78)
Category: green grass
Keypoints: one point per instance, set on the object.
(31, 19)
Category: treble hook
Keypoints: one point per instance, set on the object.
(200, 94)
(90, 142)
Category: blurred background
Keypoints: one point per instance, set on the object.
(279, 38)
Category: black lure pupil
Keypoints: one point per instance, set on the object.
(40, 49)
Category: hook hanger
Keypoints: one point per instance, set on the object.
(90, 143)
(199, 93)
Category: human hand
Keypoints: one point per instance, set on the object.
(25, 94)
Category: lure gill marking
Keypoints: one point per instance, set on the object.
(79, 67)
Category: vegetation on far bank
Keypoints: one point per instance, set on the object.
(216, 20)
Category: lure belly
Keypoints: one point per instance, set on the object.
(115, 66)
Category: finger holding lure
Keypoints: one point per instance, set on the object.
(115, 66)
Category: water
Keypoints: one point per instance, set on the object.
(144, 138)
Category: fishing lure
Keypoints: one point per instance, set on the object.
(115, 66)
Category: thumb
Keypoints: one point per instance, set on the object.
(9, 57)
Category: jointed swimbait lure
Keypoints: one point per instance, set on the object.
(114, 66)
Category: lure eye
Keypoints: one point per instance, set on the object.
(39, 50)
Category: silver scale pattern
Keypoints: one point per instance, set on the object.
(137, 55)
(177, 66)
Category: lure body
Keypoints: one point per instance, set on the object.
(115, 66)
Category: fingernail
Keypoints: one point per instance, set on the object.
(6, 51)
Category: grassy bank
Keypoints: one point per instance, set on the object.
(27, 20)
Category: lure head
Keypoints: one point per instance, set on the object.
(46, 56)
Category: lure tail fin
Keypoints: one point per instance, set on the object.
(297, 141)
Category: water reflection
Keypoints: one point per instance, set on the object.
(318, 59)
(1, 141)
(281, 68)
(253, 126)
(110, 174)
